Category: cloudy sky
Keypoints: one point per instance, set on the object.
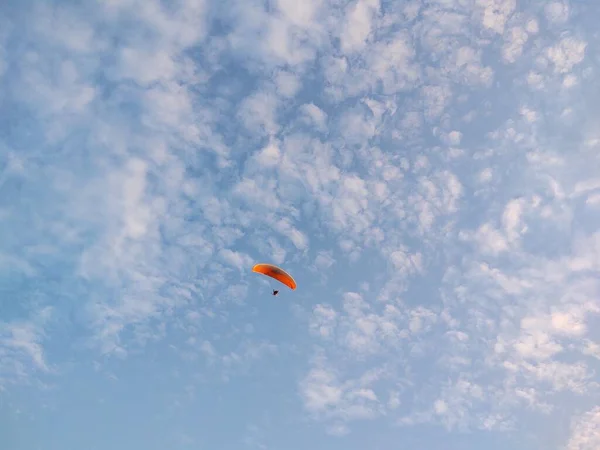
(427, 170)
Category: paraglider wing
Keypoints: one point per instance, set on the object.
(277, 273)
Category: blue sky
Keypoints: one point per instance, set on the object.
(428, 171)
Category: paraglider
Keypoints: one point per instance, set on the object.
(276, 273)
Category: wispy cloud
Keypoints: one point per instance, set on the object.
(22, 348)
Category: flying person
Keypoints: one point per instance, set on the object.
(277, 273)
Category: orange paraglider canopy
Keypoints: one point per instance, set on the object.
(275, 272)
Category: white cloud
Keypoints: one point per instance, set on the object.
(513, 47)
(567, 54)
(323, 321)
(236, 259)
(359, 17)
(301, 14)
(485, 175)
(585, 431)
(455, 137)
(147, 68)
(557, 12)
(270, 155)
(325, 395)
(324, 260)
(532, 26)
(258, 192)
(285, 227)
(512, 219)
(316, 114)
(258, 113)
(288, 84)
(496, 13)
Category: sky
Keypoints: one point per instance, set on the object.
(427, 170)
